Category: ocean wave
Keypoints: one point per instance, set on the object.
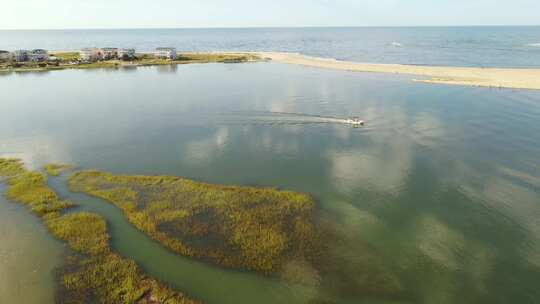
(396, 44)
(534, 44)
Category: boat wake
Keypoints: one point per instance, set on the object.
(282, 118)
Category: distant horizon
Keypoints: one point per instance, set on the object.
(267, 27)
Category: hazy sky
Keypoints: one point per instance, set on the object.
(45, 14)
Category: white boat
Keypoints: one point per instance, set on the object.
(355, 121)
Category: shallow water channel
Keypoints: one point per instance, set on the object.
(209, 283)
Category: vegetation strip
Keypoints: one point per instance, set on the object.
(57, 169)
(70, 60)
(93, 273)
(260, 229)
(271, 231)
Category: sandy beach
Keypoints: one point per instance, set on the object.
(469, 76)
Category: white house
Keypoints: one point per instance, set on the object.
(109, 53)
(38, 55)
(91, 54)
(5, 55)
(165, 53)
(21, 55)
(126, 53)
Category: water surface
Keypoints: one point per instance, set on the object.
(28, 256)
(440, 189)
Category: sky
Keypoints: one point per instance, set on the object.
(67, 14)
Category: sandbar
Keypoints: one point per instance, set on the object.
(516, 78)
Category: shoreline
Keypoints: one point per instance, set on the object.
(69, 60)
(512, 78)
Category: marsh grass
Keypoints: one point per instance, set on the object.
(263, 229)
(66, 56)
(57, 169)
(93, 273)
(243, 227)
(216, 57)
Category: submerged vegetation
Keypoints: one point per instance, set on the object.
(70, 60)
(93, 273)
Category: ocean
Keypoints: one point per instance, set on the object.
(447, 46)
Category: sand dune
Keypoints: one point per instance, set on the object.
(469, 76)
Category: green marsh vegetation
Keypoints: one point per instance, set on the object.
(93, 273)
(277, 233)
(253, 228)
(216, 57)
(267, 230)
(66, 56)
(57, 169)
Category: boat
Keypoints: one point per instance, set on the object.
(355, 121)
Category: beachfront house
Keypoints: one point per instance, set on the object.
(126, 54)
(109, 53)
(91, 54)
(165, 53)
(5, 55)
(38, 55)
(20, 55)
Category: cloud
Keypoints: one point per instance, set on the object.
(36, 151)
(384, 164)
(201, 151)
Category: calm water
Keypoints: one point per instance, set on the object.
(28, 256)
(454, 46)
(440, 191)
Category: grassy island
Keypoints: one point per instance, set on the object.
(267, 230)
(93, 272)
(259, 229)
(70, 60)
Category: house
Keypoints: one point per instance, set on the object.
(91, 54)
(38, 55)
(109, 53)
(165, 53)
(21, 55)
(5, 55)
(126, 54)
